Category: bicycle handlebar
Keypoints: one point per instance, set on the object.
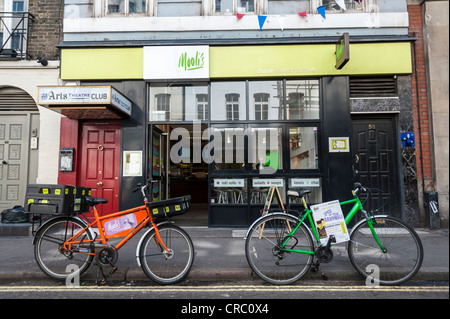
(359, 187)
(141, 188)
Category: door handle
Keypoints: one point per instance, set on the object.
(99, 184)
(356, 158)
(4, 162)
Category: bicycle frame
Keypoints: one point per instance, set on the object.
(144, 215)
(357, 206)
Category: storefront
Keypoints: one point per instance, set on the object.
(224, 123)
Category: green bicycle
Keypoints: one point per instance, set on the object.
(280, 247)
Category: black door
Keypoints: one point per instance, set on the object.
(375, 162)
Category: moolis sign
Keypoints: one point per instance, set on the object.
(176, 62)
(342, 51)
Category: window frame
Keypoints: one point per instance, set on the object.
(126, 10)
(257, 4)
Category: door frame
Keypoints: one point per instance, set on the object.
(98, 123)
(393, 118)
(164, 175)
(26, 176)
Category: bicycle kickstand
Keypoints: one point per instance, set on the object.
(317, 266)
(100, 270)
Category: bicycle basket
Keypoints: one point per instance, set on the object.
(170, 207)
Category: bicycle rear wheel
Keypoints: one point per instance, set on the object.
(161, 266)
(264, 255)
(398, 263)
(48, 248)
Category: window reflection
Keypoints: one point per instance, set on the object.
(302, 99)
(229, 148)
(228, 101)
(266, 100)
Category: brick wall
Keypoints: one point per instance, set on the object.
(420, 97)
(46, 30)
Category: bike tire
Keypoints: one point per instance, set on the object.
(48, 241)
(262, 249)
(166, 268)
(401, 260)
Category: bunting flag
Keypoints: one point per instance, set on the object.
(321, 10)
(341, 3)
(359, 1)
(239, 15)
(261, 20)
(302, 14)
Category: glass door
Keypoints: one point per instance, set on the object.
(159, 164)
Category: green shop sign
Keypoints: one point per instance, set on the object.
(342, 51)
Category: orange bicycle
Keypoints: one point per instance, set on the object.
(165, 252)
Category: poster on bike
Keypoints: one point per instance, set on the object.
(329, 220)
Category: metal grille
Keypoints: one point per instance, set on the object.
(14, 99)
(373, 86)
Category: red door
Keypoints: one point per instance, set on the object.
(100, 163)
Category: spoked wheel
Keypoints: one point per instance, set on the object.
(57, 262)
(264, 253)
(167, 267)
(397, 261)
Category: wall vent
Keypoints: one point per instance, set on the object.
(373, 86)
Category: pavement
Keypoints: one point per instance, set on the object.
(220, 256)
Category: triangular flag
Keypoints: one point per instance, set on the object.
(321, 10)
(261, 20)
(341, 3)
(239, 15)
(302, 14)
(359, 1)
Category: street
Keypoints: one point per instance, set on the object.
(190, 292)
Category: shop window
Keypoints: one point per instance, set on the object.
(260, 187)
(314, 184)
(126, 6)
(178, 102)
(229, 148)
(303, 148)
(233, 6)
(302, 99)
(229, 191)
(266, 100)
(266, 149)
(226, 99)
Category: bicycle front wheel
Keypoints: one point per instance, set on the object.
(398, 258)
(167, 267)
(49, 253)
(265, 255)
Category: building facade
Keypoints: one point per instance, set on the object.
(222, 99)
(29, 133)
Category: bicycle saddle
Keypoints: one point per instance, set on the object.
(92, 201)
(298, 193)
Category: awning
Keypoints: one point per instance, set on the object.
(85, 102)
